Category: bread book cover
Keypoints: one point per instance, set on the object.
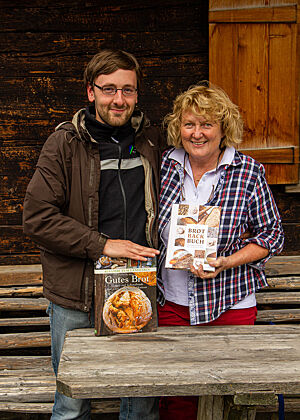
(125, 296)
(193, 236)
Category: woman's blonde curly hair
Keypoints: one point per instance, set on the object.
(210, 101)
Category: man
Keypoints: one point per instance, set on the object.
(94, 192)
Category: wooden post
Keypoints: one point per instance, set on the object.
(210, 407)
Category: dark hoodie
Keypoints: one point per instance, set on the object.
(122, 213)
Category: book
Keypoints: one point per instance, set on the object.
(124, 296)
(193, 236)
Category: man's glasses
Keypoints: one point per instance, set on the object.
(111, 91)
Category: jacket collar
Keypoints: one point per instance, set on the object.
(138, 122)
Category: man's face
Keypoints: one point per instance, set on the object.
(117, 109)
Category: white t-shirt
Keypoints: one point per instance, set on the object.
(175, 281)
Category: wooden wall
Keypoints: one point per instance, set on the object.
(45, 46)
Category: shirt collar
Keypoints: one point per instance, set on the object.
(227, 158)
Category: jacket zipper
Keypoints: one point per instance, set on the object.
(90, 201)
(122, 189)
(86, 292)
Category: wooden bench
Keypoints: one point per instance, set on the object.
(27, 381)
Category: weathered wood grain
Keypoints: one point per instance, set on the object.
(42, 49)
(97, 406)
(278, 315)
(11, 363)
(255, 14)
(283, 265)
(21, 304)
(25, 340)
(21, 291)
(182, 361)
(277, 298)
(83, 17)
(14, 241)
(24, 322)
(13, 259)
(21, 275)
(283, 283)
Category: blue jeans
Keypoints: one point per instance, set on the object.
(66, 408)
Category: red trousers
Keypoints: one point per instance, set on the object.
(185, 408)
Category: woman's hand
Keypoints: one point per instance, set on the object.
(246, 255)
(220, 264)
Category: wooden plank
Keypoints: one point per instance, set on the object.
(290, 405)
(278, 315)
(277, 298)
(271, 155)
(50, 48)
(13, 363)
(21, 304)
(21, 291)
(255, 398)
(288, 204)
(282, 49)
(222, 61)
(195, 331)
(286, 14)
(19, 258)
(210, 407)
(283, 131)
(26, 390)
(89, 17)
(24, 322)
(21, 275)
(252, 66)
(283, 283)
(14, 407)
(283, 265)
(97, 406)
(25, 340)
(291, 239)
(180, 361)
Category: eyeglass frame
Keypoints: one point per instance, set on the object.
(116, 90)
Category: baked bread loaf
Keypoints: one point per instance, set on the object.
(127, 310)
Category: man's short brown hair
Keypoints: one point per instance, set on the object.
(108, 61)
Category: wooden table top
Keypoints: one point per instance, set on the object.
(182, 361)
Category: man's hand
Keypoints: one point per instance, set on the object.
(127, 249)
(220, 264)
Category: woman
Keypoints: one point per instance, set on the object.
(204, 168)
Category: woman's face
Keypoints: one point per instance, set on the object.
(200, 137)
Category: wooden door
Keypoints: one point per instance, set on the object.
(254, 56)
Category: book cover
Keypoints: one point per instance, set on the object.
(193, 236)
(125, 296)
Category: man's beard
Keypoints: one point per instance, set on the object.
(115, 120)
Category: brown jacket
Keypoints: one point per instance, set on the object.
(62, 203)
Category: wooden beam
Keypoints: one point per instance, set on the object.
(278, 315)
(271, 154)
(14, 275)
(286, 298)
(283, 282)
(24, 322)
(21, 291)
(279, 14)
(23, 304)
(25, 340)
(283, 265)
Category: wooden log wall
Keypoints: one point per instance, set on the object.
(44, 47)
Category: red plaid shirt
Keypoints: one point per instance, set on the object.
(247, 204)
